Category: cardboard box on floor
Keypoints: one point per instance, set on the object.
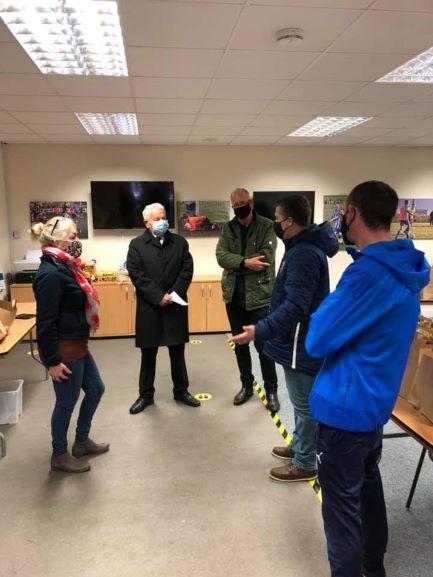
(8, 311)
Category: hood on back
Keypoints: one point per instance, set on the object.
(322, 236)
(407, 263)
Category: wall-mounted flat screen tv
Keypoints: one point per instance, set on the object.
(119, 204)
(265, 201)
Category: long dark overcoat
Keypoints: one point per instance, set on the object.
(156, 269)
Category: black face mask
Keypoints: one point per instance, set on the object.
(243, 212)
(278, 228)
(344, 230)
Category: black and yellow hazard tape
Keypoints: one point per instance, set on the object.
(195, 342)
(281, 428)
(203, 396)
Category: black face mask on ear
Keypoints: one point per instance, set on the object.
(243, 211)
(278, 228)
(345, 229)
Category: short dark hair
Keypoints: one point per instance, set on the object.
(376, 201)
(296, 207)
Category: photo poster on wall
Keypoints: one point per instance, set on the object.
(413, 219)
(333, 212)
(42, 211)
(265, 201)
(200, 218)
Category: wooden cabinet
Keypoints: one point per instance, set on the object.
(22, 293)
(207, 311)
(116, 313)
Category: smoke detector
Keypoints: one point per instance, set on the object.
(287, 36)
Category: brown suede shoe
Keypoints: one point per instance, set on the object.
(284, 453)
(290, 474)
(89, 447)
(68, 464)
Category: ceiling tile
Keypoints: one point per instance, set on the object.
(220, 106)
(90, 85)
(32, 84)
(291, 107)
(356, 4)
(353, 67)
(69, 138)
(174, 62)
(33, 103)
(5, 117)
(404, 5)
(224, 119)
(216, 130)
(414, 109)
(170, 87)
(423, 141)
(13, 128)
(283, 121)
(388, 92)
(178, 24)
(115, 139)
(319, 90)
(365, 131)
(387, 33)
(47, 117)
(157, 139)
(238, 89)
(255, 64)
(89, 104)
(398, 136)
(57, 128)
(297, 141)
(254, 140)
(356, 109)
(13, 58)
(166, 119)
(427, 97)
(6, 137)
(258, 25)
(264, 131)
(380, 122)
(209, 140)
(168, 105)
(165, 130)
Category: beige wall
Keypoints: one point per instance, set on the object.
(4, 230)
(64, 172)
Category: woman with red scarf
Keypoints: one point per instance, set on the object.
(67, 310)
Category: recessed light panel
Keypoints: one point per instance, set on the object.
(68, 36)
(329, 126)
(108, 122)
(419, 69)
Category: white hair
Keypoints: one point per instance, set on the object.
(57, 228)
(151, 208)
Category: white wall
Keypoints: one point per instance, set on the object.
(64, 172)
(4, 229)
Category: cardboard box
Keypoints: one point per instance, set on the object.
(8, 311)
(427, 292)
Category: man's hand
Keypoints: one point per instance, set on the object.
(246, 337)
(165, 301)
(256, 263)
(60, 372)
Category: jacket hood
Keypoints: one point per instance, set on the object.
(407, 263)
(320, 235)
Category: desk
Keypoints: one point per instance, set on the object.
(17, 331)
(416, 426)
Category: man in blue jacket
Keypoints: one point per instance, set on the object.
(365, 340)
(301, 285)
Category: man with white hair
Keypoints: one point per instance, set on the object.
(159, 263)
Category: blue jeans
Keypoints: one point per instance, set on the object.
(299, 385)
(354, 511)
(85, 375)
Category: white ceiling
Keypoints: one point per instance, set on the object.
(210, 72)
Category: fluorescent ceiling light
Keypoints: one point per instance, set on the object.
(419, 69)
(108, 122)
(329, 125)
(68, 36)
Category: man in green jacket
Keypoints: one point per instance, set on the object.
(246, 252)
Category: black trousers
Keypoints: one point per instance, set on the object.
(239, 317)
(179, 373)
(354, 511)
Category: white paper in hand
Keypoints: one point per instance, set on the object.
(178, 300)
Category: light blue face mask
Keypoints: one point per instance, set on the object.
(160, 227)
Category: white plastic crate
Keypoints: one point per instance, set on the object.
(11, 401)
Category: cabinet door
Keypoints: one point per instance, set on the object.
(22, 294)
(217, 320)
(197, 307)
(115, 312)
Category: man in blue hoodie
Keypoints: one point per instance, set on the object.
(365, 349)
(301, 285)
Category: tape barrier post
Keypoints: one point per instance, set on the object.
(281, 428)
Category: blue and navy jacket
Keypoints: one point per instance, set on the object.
(301, 285)
(364, 330)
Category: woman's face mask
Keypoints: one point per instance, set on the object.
(74, 248)
(160, 227)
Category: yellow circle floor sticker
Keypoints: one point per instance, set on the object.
(195, 342)
(203, 397)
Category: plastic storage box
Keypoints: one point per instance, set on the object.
(11, 401)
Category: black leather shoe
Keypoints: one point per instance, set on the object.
(243, 396)
(273, 402)
(188, 399)
(140, 404)
(377, 573)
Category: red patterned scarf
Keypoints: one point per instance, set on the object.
(76, 267)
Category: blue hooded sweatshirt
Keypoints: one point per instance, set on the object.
(364, 329)
(301, 285)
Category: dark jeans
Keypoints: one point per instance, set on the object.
(239, 317)
(354, 511)
(179, 373)
(85, 375)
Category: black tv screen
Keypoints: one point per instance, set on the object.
(120, 204)
(265, 201)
